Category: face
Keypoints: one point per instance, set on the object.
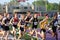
(47, 17)
(8, 15)
(4, 14)
(35, 15)
(28, 13)
(15, 15)
(22, 16)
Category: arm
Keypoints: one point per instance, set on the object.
(11, 21)
(25, 18)
(31, 19)
(3, 21)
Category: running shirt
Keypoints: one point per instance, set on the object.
(6, 21)
(43, 24)
(27, 23)
(35, 21)
(28, 18)
(55, 22)
(22, 23)
(15, 20)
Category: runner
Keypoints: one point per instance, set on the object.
(6, 25)
(1, 26)
(21, 25)
(54, 23)
(27, 18)
(14, 21)
(34, 24)
(43, 25)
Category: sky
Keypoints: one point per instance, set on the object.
(30, 1)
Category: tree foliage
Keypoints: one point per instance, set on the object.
(49, 6)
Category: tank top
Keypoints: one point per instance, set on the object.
(35, 21)
(28, 18)
(16, 19)
(55, 22)
(43, 24)
(7, 20)
(22, 22)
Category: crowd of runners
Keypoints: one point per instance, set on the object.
(16, 26)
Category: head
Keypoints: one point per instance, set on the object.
(55, 16)
(46, 15)
(28, 13)
(8, 15)
(35, 15)
(5, 14)
(22, 16)
(15, 15)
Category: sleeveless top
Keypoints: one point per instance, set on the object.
(35, 21)
(55, 22)
(28, 18)
(43, 24)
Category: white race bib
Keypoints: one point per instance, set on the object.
(35, 23)
(55, 24)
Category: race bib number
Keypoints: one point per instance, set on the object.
(27, 24)
(55, 24)
(35, 23)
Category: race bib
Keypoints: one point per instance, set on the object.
(27, 24)
(55, 24)
(35, 23)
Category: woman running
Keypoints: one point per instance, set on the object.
(1, 26)
(35, 23)
(43, 25)
(6, 25)
(14, 21)
(54, 24)
(21, 25)
(27, 18)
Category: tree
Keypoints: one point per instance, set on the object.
(13, 2)
(45, 3)
(59, 7)
(39, 2)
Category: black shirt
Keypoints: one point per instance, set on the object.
(35, 21)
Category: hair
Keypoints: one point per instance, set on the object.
(55, 15)
(46, 14)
